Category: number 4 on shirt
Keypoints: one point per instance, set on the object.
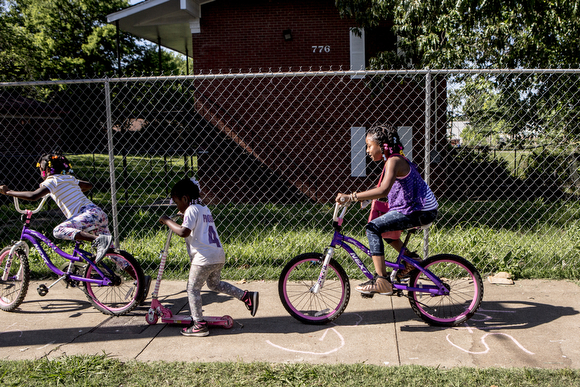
(213, 237)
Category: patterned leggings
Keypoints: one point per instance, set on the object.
(90, 219)
(198, 275)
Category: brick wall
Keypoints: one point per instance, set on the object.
(298, 128)
(248, 34)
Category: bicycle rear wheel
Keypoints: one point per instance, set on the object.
(125, 292)
(14, 288)
(295, 284)
(465, 291)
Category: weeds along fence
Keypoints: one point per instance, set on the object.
(500, 148)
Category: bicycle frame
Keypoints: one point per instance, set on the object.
(344, 242)
(78, 255)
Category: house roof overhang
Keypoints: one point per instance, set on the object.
(168, 22)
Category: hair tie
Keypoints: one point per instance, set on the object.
(388, 150)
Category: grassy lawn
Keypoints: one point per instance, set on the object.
(516, 160)
(103, 371)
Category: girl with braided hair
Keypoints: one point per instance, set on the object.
(411, 201)
(85, 220)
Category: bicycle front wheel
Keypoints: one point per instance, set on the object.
(465, 287)
(13, 289)
(295, 288)
(125, 292)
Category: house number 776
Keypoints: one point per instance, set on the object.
(320, 49)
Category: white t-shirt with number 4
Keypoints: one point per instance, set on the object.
(203, 244)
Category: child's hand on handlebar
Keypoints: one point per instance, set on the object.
(163, 219)
(3, 189)
(343, 198)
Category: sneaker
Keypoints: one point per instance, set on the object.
(196, 328)
(251, 301)
(408, 267)
(369, 282)
(379, 285)
(102, 244)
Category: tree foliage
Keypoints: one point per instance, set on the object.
(474, 33)
(54, 39)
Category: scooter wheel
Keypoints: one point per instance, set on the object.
(151, 317)
(229, 322)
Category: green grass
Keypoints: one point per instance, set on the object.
(516, 161)
(104, 371)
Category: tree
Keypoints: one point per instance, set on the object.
(474, 33)
(55, 39)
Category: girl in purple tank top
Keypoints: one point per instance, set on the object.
(411, 201)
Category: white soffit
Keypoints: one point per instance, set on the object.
(173, 21)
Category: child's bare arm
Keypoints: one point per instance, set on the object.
(26, 195)
(85, 185)
(175, 227)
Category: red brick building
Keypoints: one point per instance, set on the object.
(296, 136)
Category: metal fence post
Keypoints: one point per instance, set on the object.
(112, 163)
(427, 163)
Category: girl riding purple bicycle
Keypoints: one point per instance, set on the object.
(411, 201)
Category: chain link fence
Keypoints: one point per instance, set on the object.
(500, 148)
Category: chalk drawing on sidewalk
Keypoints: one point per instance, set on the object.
(322, 338)
(44, 346)
(341, 338)
(487, 346)
(472, 330)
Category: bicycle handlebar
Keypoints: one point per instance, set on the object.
(17, 205)
(337, 207)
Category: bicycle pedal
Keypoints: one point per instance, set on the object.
(364, 295)
(42, 290)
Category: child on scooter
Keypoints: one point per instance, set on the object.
(206, 253)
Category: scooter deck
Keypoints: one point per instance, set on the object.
(224, 321)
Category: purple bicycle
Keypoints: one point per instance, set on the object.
(114, 286)
(443, 290)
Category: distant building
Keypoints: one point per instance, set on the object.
(455, 132)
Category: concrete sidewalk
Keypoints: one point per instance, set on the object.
(529, 324)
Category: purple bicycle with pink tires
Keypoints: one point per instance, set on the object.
(443, 290)
(115, 285)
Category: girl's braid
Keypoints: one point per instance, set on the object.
(387, 136)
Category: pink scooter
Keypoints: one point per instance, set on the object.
(157, 310)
